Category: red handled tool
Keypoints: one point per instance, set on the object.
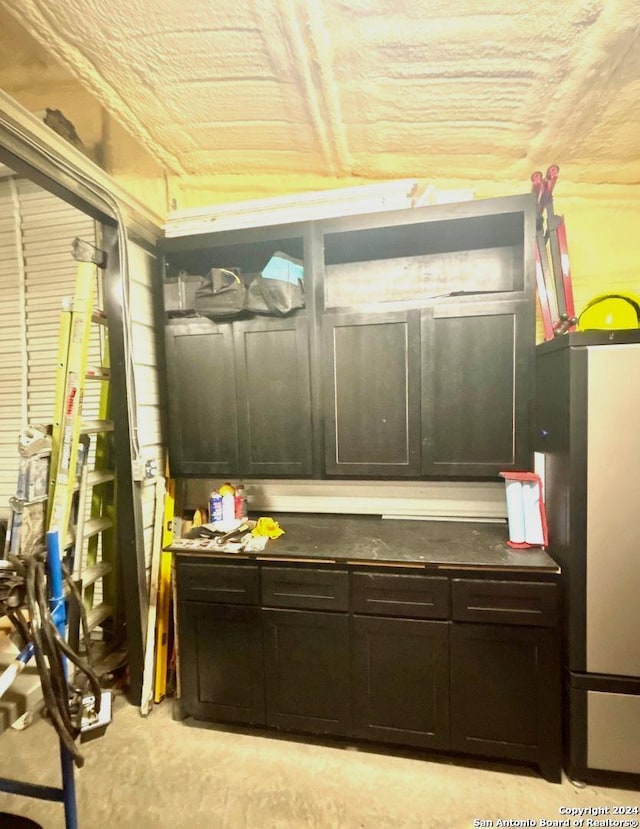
(555, 290)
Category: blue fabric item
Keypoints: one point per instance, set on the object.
(283, 267)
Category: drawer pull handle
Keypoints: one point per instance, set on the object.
(492, 609)
(404, 603)
(302, 595)
(202, 589)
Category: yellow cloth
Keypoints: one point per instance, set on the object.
(268, 527)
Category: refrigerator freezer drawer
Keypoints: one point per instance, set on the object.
(613, 732)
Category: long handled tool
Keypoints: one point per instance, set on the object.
(555, 290)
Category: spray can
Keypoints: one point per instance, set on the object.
(240, 503)
(215, 507)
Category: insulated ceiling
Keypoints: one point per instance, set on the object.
(361, 88)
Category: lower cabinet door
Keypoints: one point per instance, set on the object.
(505, 693)
(221, 666)
(400, 681)
(307, 670)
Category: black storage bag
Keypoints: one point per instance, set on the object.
(180, 294)
(223, 295)
(276, 297)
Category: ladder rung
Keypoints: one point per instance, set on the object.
(92, 574)
(100, 476)
(99, 316)
(91, 427)
(98, 373)
(96, 477)
(98, 614)
(96, 525)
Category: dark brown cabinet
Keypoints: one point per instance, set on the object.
(505, 690)
(371, 398)
(221, 655)
(220, 636)
(239, 397)
(400, 664)
(444, 391)
(413, 358)
(306, 648)
(400, 680)
(505, 671)
(203, 438)
(306, 656)
(476, 388)
(273, 396)
(469, 665)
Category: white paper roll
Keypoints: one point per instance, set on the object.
(532, 521)
(515, 511)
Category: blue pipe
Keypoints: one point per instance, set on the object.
(54, 573)
(59, 615)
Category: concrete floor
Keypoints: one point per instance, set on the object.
(154, 773)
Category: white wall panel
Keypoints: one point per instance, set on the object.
(37, 271)
(142, 268)
(11, 352)
(49, 227)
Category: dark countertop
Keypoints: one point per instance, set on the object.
(370, 539)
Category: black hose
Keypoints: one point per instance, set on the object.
(82, 666)
(86, 633)
(50, 674)
(51, 648)
(56, 664)
(18, 621)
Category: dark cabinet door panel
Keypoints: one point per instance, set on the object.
(400, 680)
(307, 671)
(203, 436)
(505, 693)
(221, 662)
(372, 399)
(476, 374)
(274, 403)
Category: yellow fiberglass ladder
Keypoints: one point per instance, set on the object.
(81, 502)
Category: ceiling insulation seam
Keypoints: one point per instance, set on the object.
(320, 41)
(293, 28)
(42, 24)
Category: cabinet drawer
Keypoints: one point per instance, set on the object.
(390, 594)
(312, 589)
(220, 583)
(507, 602)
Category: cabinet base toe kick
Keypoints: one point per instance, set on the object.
(549, 767)
(392, 661)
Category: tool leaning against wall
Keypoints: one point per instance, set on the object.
(553, 280)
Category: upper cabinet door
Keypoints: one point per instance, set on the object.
(274, 407)
(203, 431)
(372, 394)
(476, 388)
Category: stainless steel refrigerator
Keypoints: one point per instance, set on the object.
(587, 424)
